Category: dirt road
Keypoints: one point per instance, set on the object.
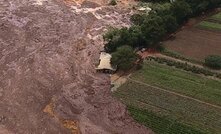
(48, 85)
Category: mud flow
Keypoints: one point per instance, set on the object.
(48, 83)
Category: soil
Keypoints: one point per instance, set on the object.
(48, 83)
(195, 43)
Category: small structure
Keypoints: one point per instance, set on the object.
(144, 9)
(104, 63)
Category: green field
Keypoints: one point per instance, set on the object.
(169, 113)
(209, 25)
(161, 124)
(187, 83)
(217, 17)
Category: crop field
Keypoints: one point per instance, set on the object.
(161, 124)
(180, 81)
(196, 41)
(171, 101)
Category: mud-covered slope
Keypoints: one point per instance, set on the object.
(48, 85)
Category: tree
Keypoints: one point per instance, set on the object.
(153, 29)
(170, 23)
(213, 61)
(116, 38)
(124, 57)
(137, 38)
(181, 9)
(138, 19)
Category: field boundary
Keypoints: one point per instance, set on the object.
(175, 93)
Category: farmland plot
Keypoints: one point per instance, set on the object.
(180, 81)
(175, 108)
(197, 41)
(151, 102)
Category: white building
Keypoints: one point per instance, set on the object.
(105, 63)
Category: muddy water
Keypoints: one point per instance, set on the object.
(48, 85)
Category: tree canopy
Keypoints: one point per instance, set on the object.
(124, 57)
(213, 61)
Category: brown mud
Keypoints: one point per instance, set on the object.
(48, 84)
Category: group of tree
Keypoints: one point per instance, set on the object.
(213, 61)
(124, 57)
(149, 28)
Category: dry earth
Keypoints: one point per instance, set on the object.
(195, 43)
(48, 85)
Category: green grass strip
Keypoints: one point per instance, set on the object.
(217, 16)
(209, 25)
(187, 83)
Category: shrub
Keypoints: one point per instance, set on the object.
(186, 67)
(213, 61)
(113, 2)
(181, 10)
(124, 58)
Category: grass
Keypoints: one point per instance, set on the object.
(217, 17)
(209, 25)
(185, 111)
(179, 56)
(187, 83)
(161, 124)
(167, 113)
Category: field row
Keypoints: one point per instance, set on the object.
(183, 82)
(161, 124)
(167, 112)
(183, 110)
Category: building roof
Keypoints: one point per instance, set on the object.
(144, 9)
(105, 59)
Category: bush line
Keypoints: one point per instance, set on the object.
(179, 56)
(185, 67)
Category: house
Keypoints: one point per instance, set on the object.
(104, 63)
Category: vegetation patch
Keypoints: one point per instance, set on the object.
(213, 61)
(179, 56)
(217, 17)
(187, 67)
(209, 25)
(183, 82)
(161, 124)
(164, 99)
(124, 58)
(183, 114)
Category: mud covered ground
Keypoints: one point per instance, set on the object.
(48, 85)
